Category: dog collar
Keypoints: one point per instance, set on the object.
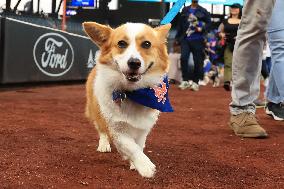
(155, 98)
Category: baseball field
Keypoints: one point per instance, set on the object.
(46, 142)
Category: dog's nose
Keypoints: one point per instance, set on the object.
(134, 63)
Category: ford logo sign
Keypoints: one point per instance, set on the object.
(53, 54)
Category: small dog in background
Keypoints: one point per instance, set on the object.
(193, 24)
(131, 66)
(211, 73)
(214, 77)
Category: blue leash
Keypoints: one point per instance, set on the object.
(173, 12)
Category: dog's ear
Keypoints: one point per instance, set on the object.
(98, 33)
(163, 31)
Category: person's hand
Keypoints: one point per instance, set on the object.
(176, 42)
(212, 51)
(222, 35)
(198, 29)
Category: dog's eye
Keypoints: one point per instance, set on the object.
(122, 44)
(146, 44)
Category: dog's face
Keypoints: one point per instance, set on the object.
(132, 49)
(192, 18)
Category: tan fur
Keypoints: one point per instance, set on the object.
(92, 111)
(107, 39)
(108, 47)
(98, 33)
(158, 42)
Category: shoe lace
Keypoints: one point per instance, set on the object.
(252, 117)
(247, 117)
(184, 83)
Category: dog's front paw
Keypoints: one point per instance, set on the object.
(132, 166)
(145, 167)
(104, 146)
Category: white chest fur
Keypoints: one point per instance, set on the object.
(133, 114)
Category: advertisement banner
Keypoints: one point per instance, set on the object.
(35, 53)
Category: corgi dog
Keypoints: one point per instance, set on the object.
(132, 57)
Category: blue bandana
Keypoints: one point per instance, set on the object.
(156, 97)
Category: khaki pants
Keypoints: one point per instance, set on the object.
(228, 56)
(247, 55)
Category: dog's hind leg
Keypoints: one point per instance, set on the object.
(93, 114)
(104, 144)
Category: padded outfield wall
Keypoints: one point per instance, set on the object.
(33, 53)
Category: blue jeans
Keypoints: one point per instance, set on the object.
(275, 90)
(196, 47)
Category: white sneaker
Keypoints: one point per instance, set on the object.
(184, 85)
(194, 86)
(203, 83)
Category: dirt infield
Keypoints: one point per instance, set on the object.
(46, 142)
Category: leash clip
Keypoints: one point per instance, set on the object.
(118, 97)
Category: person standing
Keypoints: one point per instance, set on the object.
(192, 27)
(103, 6)
(174, 72)
(247, 57)
(275, 89)
(228, 32)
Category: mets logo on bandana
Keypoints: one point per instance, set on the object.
(160, 92)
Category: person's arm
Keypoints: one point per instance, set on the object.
(179, 30)
(180, 25)
(221, 31)
(207, 21)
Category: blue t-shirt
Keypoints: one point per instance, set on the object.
(192, 34)
(213, 47)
